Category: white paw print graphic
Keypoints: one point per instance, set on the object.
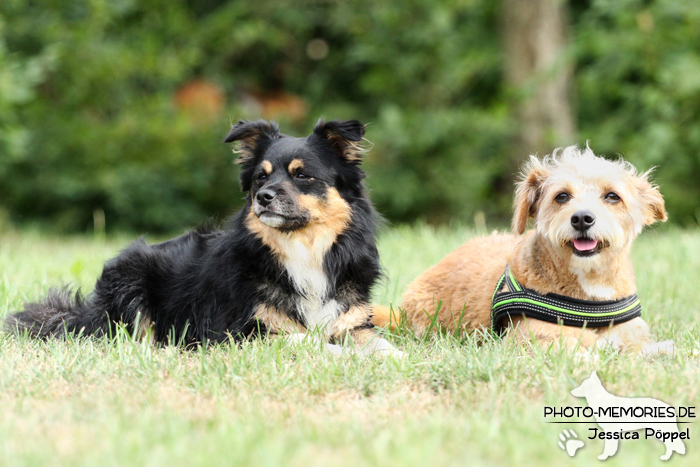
(569, 442)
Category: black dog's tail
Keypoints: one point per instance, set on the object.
(61, 312)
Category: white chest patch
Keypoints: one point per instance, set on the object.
(601, 292)
(304, 264)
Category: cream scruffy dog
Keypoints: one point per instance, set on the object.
(587, 210)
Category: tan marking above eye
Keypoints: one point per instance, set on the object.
(296, 164)
(267, 167)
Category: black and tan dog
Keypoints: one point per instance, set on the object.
(300, 256)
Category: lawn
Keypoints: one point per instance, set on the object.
(449, 402)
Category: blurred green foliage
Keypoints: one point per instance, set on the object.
(638, 91)
(90, 120)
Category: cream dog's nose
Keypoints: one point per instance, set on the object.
(582, 220)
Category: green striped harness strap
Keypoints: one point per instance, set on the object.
(553, 308)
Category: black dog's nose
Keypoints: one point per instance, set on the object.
(582, 220)
(265, 197)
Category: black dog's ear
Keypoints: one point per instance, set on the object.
(252, 137)
(344, 136)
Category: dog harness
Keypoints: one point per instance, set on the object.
(553, 308)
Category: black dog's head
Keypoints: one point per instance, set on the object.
(293, 182)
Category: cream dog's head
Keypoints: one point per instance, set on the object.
(589, 208)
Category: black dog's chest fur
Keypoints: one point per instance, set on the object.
(242, 280)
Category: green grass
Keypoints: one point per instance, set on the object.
(450, 402)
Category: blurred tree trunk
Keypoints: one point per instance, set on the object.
(538, 73)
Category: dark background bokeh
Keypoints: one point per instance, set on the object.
(114, 111)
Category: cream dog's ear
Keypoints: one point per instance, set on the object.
(527, 193)
(654, 206)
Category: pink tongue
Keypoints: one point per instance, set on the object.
(582, 244)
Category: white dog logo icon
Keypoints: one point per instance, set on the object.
(617, 417)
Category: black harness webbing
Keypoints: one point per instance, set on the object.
(553, 308)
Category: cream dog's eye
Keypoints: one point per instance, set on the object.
(612, 197)
(562, 197)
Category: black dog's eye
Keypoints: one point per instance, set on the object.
(301, 176)
(612, 197)
(562, 197)
(262, 178)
